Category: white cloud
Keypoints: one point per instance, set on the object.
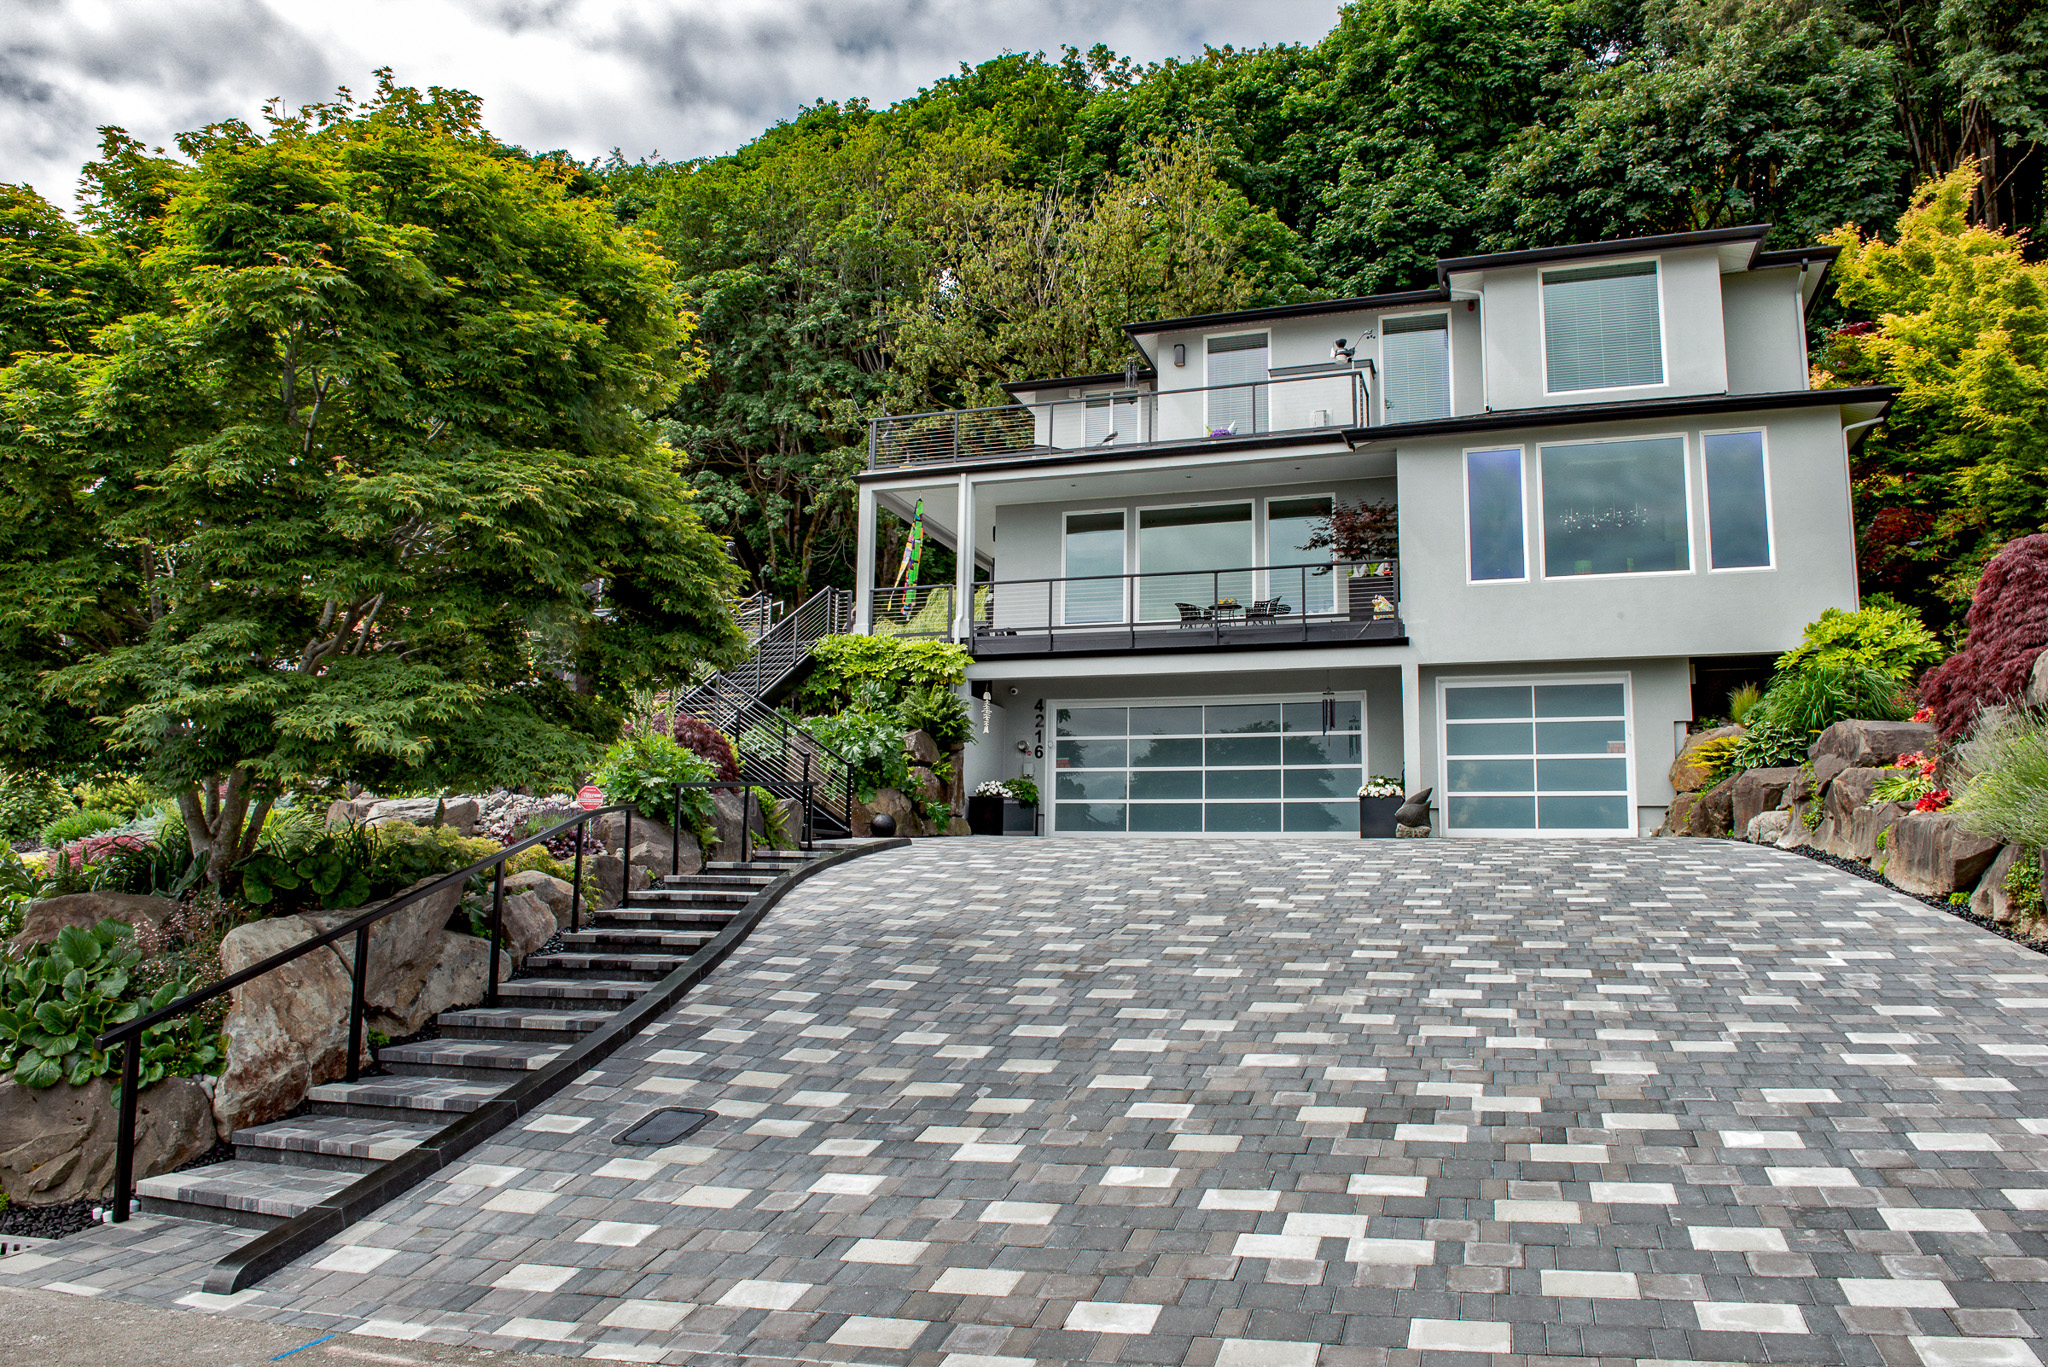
(682, 77)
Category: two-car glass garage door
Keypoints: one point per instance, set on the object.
(1536, 758)
(1223, 768)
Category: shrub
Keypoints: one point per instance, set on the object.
(2023, 883)
(29, 802)
(643, 771)
(351, 866)
(1743, 701)
(1716, 756)
(2008, 625)
(77, 826)
(1768, 746)
(153, 867)
(1024, 790)
(1815, 697)
(870, 740)
(127, 798)
(538, 858)
(1886, 637)
(840, 664)
(2006, 796)
(57, 998)
(711, 744)
(940, 713)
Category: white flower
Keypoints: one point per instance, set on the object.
(1379, 785)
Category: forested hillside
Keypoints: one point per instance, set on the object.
(1002, 222)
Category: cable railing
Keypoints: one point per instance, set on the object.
(1328, 399)
(924, 613)
(1254, 604)
(128, 1036)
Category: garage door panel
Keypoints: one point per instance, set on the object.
(1167, 817)
(1578, 737)
(1489, 813)
(1243, 783)
(1248, 818)
(1090, 785)
(1481, 704)
(1159, 784)
(1325, 749)
(1490, 738)
(1326, 783)
(1243, 719)
(1090, 816)
(1243, 750)
(1345, 715)
(1178, 754)
(1491, 775)
(1092, 754)
(1582, 813)
(1581, 775)
(1092, 721)
(1166, 721)
(1320, 816)
(1579, 700)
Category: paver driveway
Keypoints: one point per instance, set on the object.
(1249, 1105)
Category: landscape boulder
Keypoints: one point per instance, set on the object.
(57, 1143)
(1990, 900)
(609, 873)
(1767, 828)
(2036, 692)
(729, 803)
(1709, 813)
(287, 1030)
(1850, 824)
(1689, 773)
(461, 813)
(405, 948)
(554, 891)
(655, 847)
(1929, 853)
(893, 803)
(1798, 835)
(526, 922)
(921, 748)
(45, 920)
(1866, 745)
(456, 977)
(1757, 791)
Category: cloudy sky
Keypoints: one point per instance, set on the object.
(679, 77)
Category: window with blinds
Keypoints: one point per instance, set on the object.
(1600, 327)
(1417, 355)
(1237, 385)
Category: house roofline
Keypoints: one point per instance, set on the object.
(1015, 387)
(1619, 246)
(1363, 303)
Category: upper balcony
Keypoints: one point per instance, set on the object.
(1330, 400)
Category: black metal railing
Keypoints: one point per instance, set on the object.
(923, 613)
(1249, 604)
(1327, 399)
(128, 1036)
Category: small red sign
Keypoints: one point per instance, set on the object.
(590, 798)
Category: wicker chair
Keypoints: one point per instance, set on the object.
(1192, 616)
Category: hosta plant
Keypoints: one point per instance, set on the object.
(57, 999)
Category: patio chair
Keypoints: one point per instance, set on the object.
(1192, 616)
(1266, 610)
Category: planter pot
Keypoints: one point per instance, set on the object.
(1019, 818)
(1376, 817)
(985, 815)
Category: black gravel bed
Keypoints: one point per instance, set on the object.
(553, 946)
(1960, 912)
(46, 1222)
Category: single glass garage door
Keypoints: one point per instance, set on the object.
(1222, 768)
(1521, 758)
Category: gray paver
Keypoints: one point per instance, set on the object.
(1249, 1103)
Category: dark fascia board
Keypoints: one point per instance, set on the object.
(1095, 455)
(1684, 406)
(1620, 246)
(1016, 387)
(1800, 257)
(1364, 303)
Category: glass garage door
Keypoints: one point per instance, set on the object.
(1224, 768)
(1535, 758)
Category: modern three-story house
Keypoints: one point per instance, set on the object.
(1614, 492)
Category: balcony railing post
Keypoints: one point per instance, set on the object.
(497, 922)
(675, 838)
(746, 823)
(360, 977)
(576, 883)
(124, 1135)
(810, 805)
(956, 436)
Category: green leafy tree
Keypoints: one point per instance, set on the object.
(1961, 327)
(368, 490)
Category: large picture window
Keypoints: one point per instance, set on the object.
(1179, 552)
(1493, 514)
(1095, 546)
(1290, 522)
(1738, 501)
(1615, 507)
(1417, 353)
(1601, 328)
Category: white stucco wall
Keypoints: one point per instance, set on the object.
(1766, 331)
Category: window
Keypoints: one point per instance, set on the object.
(1493, 514)
(1536, 757)
(1290, 522)
(1095, 546)
(1615, 507)
(1180, 551)
(1417, 353)
(1238, 362)
(1237, 767)
(1738, 501)
(1600, 327)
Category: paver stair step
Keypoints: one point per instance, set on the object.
(560, 992)
(439, 1099)
(521, 1023)
(645, 967)
(488, 1060)
(664, 918)
(252, 1195)
(715, 881)
(718, 899)
(624, 940)
(336, 1142)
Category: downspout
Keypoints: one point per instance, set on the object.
(1855, 561)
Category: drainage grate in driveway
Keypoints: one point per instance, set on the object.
(663, 1127)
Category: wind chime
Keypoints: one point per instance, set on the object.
(1329, 706)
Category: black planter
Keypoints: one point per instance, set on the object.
(1376, 817)
(985, 815)
(1019, 818)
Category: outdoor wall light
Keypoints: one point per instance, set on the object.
(1180, 353)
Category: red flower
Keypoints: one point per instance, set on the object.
(1933, 802)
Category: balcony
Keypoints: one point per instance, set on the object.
(1348, 602)
(1329, 401)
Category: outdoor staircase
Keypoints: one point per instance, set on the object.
(289, 1166)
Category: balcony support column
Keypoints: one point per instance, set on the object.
(1412, 780)
(963, 569)
(864, 561)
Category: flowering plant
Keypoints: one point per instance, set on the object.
(1913, 782)
(1379, 785)
(1932, 802)
(1016, 789)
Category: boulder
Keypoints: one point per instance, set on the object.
(729, 804)
(1929, 853)
(958, 826)
(609, 872)
(1688, 773)
(462, 813)
(57, 1144)
(925, 784)
(287, 1030)
(790, 814)
(526, 922)
(1757, 791)
(655, 847)
(456, 977)
(1866, 745)
(46, 919)
(403, 949)
(1850, 823)
(554, 891)
(1798, 835)
(1708, 813)
(921, 748)
(892, 802)
(1989, 900)
(1766, 828)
